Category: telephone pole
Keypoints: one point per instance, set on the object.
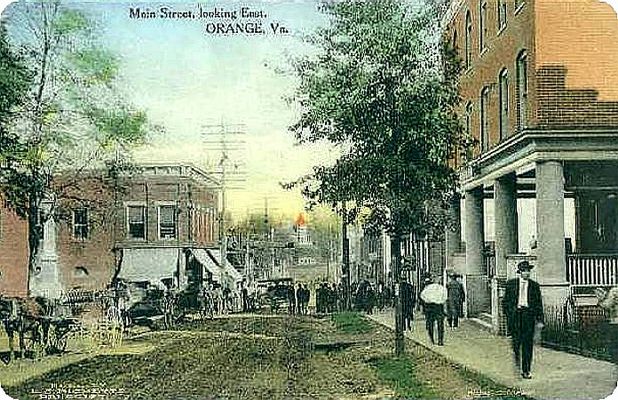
(227, 139)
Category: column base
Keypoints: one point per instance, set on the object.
(478, 295)
(46, 282)
(555, 296)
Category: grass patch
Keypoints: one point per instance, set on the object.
(399, 374)
(351, 322)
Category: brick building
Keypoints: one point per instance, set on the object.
(540, 95)
(13, 253)
(158, 225)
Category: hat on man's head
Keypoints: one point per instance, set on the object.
(524, 266)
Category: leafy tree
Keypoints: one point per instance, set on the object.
(14, 82)
(72, 124)
(383, 89)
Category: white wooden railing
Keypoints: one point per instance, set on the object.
(592, 269)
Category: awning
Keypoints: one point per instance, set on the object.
(206, 260)
(150, 264)
(230, 271)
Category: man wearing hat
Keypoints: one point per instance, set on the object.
(523, 307)
(454, 301)
(433, 297)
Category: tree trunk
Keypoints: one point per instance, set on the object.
(396, 264)
(34, 238)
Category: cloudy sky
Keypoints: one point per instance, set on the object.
(186, 79)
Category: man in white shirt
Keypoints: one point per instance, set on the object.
(523, 307)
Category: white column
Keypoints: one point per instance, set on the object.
(453, 231)
(551, 272)
(476, 287)
(505, 200)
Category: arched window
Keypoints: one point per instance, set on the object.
(522, 89)
(81, 272)
(483, 26)
(484, 119)
(501, 14)
(468, 40)
(504, 103)
(468, 132)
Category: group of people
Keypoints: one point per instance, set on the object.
(366, 297)
(298, 299)
(221, 299)
(329, 298)
(439, 302)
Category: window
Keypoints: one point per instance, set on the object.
(484, 119)
(504, 104)
(518, 4)
(522, 89)
(167, 222)
(501, 14)
(468, 40)
(483, 27)
(80, 223)
(455, 40)
(468, 155)
(136, 218)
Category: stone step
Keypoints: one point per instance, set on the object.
(487, 317)
(483, 322)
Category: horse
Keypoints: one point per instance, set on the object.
(23, 316)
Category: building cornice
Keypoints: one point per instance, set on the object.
(533, 145)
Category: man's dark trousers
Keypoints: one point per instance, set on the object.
(435, 313)
(523, 337)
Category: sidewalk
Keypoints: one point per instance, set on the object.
(555, 374)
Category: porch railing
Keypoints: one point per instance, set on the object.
(592, 269)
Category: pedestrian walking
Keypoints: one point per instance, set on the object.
(434, 296)
(299, 297)
(371, 299)
(335, 297)
(306, 297)
(455, 300)
(523, 307)
(609, 301)
(407, 304)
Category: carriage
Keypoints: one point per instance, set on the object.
(39, 324)
(275, 293)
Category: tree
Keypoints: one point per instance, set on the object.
(383, 88)
(72, 125)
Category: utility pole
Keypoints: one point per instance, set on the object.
(218, 137)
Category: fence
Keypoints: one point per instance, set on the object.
(578, 330)
(592, 269)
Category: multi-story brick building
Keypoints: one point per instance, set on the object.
(540, 95)
(157, 225)
(13, 253)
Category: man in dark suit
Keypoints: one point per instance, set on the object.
(523, 307)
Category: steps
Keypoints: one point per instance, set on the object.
(484, 321)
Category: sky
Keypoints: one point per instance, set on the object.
(186, 79)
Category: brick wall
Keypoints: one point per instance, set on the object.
(13, 253)
(503, 46)
(559, 106)
(572, 51)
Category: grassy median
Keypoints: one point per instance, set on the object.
(343, 356)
